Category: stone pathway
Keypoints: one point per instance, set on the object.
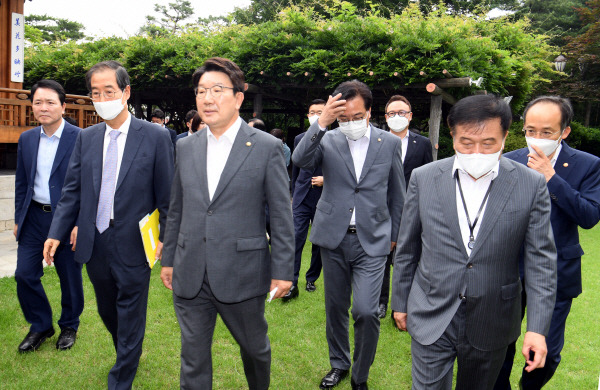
(8, 253)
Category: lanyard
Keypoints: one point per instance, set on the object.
(471, 244)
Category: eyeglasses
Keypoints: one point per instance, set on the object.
(344, 122)
(107, 94)
(392, 114)
(539, 134)
(216, 91)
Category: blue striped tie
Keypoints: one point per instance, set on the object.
(107, 190)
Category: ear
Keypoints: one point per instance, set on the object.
(64, 107)
(239, 99)
(127, 92)
(566, 133)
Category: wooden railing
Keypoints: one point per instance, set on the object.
(16, 114)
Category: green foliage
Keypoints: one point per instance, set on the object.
(584, 138)
(169, 22)
(54, 29)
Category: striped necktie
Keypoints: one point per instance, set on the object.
(107, 189)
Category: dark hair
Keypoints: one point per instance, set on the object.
(317, 101)
(196, 122)
(258, 124)
(566, 109)
(158, 113)
(398, 98)
(49, 84)
(120, 73)
(190, 115)
(353, 88)
(70, 120)
(223, 65)
(278, 133)
(477, 109)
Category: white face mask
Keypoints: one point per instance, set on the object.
(398, 123)
(478, 164)
(313, 119)
(354, 129)
(548, 146)
(110, 109)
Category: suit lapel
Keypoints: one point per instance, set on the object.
(132, 144)
(199, 161)
(242, 145)
(97, 143)
(564, 164)
(410, 147)
(63, 147)
(446, 184)
(502, 190)
(374, 145)
(34, 146)
(341, 143)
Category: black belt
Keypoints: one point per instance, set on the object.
(47, 208)
(351, 229)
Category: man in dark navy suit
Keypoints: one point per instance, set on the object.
(189, 123)
(120, 171)
(416, 152)
(158, 117)
(42, 160)
(307, 185)
(573, 179)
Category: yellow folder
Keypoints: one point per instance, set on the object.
(149, 229)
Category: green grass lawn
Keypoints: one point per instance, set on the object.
(296, 330)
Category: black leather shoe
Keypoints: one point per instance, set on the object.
(382, 311)
(333, 378)
(359, 386)
(310, 286)
(66, 339)
(34, 340)
(293, 293)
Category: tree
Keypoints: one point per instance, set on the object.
(55, 29)
(169, 23)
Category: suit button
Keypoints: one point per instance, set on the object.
(356, 191)
(313, 138)
(350, 210)
(461, 297)
(470, 265)
(204, 239)
(210, 212)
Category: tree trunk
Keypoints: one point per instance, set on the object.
(435, 120)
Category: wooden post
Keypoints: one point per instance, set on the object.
(7, 7)
(435, 120)
(258, 105)
(435, 90)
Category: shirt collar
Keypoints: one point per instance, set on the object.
(124, 127)
(58, 131)
(556, 153)
(230, 133)
(494, 172)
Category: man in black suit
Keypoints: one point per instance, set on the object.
(121, 170)
(307, 185)
(42, 160)
(416, 151)
(158, 117)
(189, 123)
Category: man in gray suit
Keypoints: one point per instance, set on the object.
(216, 258)
(456, 270)
(356, 221)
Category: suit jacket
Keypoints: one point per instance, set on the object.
(418, 153)
(378, 194)
(143, 184)
(575, 197)
(27, 154)
(182, 135)
(432, 269)
(302, 179)
(224, 239)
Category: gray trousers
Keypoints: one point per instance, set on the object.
(246, 322)
(432, 365)
(350, 273)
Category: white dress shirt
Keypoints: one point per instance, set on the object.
(45, 159)
(358, 150)
(217, 153)
(474, 192)
(121, 139)
(556, 153)
(405, 144)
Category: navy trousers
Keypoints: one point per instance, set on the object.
(303, 215)
(122, 299)
(31, 294)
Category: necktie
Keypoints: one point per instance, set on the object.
(107, 189)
